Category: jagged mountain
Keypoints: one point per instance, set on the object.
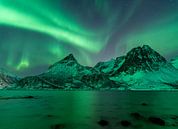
(142, 59)
(144, 68)
(67, 74)
(138, 59)
(7, 78)
(109, 67)
(67, 68)
(140, 68)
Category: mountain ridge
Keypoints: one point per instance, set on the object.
(132, 71)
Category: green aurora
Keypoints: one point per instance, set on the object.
(37, 33)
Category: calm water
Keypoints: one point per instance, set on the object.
(83, 109)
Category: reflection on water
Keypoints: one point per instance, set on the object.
(87, 110)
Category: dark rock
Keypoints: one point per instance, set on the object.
(144, 104)
(157, 121)
(29, 97)
(174, 117)
(136, 116)
(58, 126)
(19, 97)
(125, 123)
(103, 123)
(50, 116)
(173, 124)
(4, 98)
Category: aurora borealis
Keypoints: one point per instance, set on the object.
(37, 33)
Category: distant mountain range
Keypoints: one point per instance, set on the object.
(142, 68)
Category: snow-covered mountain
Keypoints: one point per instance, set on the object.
(7, 78)
(68, 68)
(110, 66)
(138, 59)
(142, 59)
(141, 68)
(163, 79)
(174, 62)
(144, 68)
(67, 74)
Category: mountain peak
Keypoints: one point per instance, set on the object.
(142, 58)
(146, 47)
(70, 57)
(140, 49)
(67, 59)
(70, 60)
(145, 53)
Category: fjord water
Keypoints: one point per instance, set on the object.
(83, 109)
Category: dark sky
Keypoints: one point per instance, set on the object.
(37, 33)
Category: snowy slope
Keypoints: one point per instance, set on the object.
(110, 66)
(67, 67)
(174, 62)
(157, 80)
(6, 78)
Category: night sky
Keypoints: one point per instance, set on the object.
(37, 33)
